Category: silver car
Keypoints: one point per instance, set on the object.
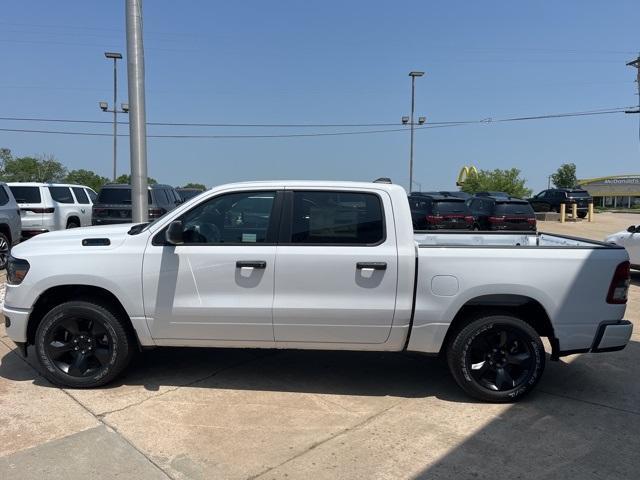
(10, 223)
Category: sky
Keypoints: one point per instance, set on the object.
(330, 62)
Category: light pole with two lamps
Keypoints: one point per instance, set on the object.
(104, 106)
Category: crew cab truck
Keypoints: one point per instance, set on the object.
(314, 265)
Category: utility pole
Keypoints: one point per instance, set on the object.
(137, 116)
(413, 76)
(636, 64)
(104, 106)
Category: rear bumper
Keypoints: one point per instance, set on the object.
(612, 336)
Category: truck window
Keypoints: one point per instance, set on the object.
(61, 194)
(448, 207)
(342, 218)
(514, 208)
(117, 196)
(234, 218)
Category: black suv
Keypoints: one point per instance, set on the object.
(550, 200)
(431, 211)
(502, 213)
(188, 193)
(113, 204)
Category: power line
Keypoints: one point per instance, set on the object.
(601, 111)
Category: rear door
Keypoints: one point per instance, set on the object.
(336, 268)
(84, 205)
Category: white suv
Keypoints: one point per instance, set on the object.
(45, 207)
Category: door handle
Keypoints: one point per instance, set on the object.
(251, 264)
(372, 265)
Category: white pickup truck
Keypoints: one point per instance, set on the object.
(314, 265)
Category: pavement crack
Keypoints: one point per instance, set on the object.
(315, 445)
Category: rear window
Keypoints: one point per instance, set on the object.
(447, 207)
(579, 194)
(512, 208)
(61, 194)
(26, 194)
(117, 196)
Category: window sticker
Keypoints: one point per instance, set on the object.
(249, 238)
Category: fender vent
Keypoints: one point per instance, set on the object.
(95, 242)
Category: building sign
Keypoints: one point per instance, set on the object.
(612, 186)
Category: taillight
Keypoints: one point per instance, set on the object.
(99, 212)
(433, 218)
(496, 219)
(39, 210)
(619, 287)
(531, 221)
(468, 219)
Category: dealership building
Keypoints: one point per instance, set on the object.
(618, 191)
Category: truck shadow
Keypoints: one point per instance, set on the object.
(599, 378)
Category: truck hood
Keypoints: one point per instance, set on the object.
(66, 240)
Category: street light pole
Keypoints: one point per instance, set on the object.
(115, 56)
(413, 76)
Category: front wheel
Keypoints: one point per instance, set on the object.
(496, 358)
(82, 344)
(5, 247)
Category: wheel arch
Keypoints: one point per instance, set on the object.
(63, 293)
(71, 217)
(521, 306)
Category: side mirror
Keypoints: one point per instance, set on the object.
(632, 229)
(174, 233)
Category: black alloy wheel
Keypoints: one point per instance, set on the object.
(83, 344)
(79, 347)
(496, 358)
(5, 247)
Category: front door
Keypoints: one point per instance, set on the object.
(218, 285)
(336, 268)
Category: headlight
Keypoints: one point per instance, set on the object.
(17, 269)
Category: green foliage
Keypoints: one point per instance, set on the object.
(498, 181)
(565, 176)
(199, 186)
(126, 178)
(87, 178)
(43, 168)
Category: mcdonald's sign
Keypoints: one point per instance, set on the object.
(466, 172)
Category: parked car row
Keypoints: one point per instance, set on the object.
(485, 211)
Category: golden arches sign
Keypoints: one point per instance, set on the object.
(466, 172)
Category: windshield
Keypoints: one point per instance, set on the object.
(449, 207)
(513, 208)
(117, 196)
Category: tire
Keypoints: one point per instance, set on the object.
(73, 224)
(496, 358)
(553, 209)
(82, 344)
(582, 214)
(5, 248)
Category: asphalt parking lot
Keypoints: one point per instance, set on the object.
(205, 413)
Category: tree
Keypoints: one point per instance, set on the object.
(199, 186)
(43, 168)
(126, 178)
(87, 178)
(508, 181)
(565, 176)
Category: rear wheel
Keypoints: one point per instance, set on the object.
(5, 247)
(582, 214)
(82, 344)
(496, 358)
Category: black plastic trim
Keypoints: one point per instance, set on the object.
(413, 305)
(600, 333)
(96, 242)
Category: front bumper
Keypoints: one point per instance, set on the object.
(612, 336)
(15, 320)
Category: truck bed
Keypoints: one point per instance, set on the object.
(503, 239)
